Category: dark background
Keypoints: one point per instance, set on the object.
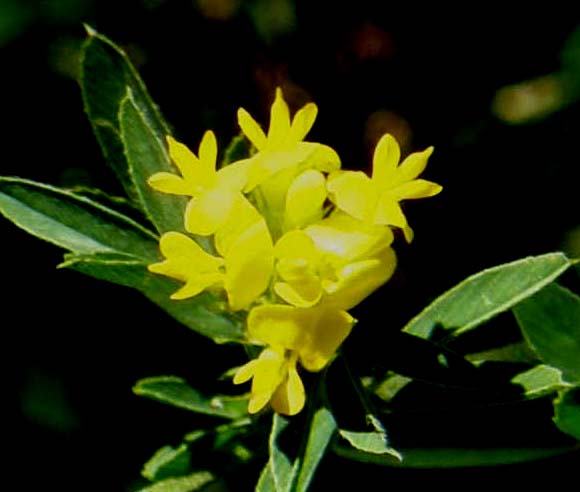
(76, 346)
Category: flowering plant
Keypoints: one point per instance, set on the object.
(271, 250)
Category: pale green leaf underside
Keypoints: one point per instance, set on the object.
(540, 381)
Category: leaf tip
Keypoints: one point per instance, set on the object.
(90, 31)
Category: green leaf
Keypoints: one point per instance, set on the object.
(550, 322)
(188, 483)
(282, 468)
(453, 457)
(201, 313)
(540, 381)
(106, 74)
(567, 412)
(488, 293)
(146, 154)
(371, 442)
(285, 473)
(266, 481)
(167, 462)
(175, 391)
(322, 428)
(73, 222)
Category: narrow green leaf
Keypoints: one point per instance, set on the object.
(453, 457)
(73, 222)
(567, 412)
(266, 481)
(106, 74)
(146, 154)
(189, 483)
(488, 293)
(550, 322)
(293, 473)
(371, 442)
(322, 428)
(540, 381)
(175, 391)
(167, 462)
(282, 468)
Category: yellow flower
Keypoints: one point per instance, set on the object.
(243, 268)
(213, 193)
(310, 336)
(283, 146)
(275, 378)
(376, 200)
(188, 262)
(338, 258)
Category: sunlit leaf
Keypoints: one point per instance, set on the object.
(175, 391)
(540, 380)
(488, 293)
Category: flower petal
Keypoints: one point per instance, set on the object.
(412, 166)
(188, 262)
(279, 325)
(353, 192)
(185, 160)
(389, 212)
(268, 374)
(385, 160)
(242, 216)
(234, 176)
(318, 156)
(185, 256)
(358, 280)
(279, 122)
(208, 152)
(209, 211)
(197, 284)
(302, 122)
(170, 183)
(245, 372)
(290, 396)
(249, 265)
(296, 245)
(303, 293)
(305, 199)
(325, 336)
(342, 239)
(418, 188)
(251, 129)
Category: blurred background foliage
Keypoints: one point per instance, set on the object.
(495, 92)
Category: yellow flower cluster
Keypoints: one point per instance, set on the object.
(296, 241)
